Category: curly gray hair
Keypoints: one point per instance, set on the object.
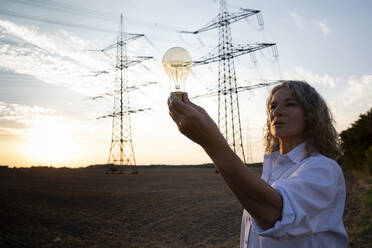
(320, 134)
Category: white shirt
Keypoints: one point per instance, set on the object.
(313, 193)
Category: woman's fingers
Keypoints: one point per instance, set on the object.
(171, 115)
(184, 110)
(176, 105)
(186, 99)
(182, 106)
(192, 120)
(176, 110)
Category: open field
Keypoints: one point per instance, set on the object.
(159, 207)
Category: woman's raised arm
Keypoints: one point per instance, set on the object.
(255, 195)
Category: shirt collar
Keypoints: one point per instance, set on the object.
(272, 155)
(298, 153)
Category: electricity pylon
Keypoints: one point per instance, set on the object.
(121, 156)
(228, 102)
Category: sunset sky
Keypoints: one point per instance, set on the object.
(47, 73)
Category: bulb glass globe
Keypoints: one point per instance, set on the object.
(177, 64)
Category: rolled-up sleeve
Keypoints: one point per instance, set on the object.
(306, 194)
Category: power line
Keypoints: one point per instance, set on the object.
(50, 21)
(80, 12)
(66, 8)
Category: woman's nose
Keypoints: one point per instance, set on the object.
(277, 111)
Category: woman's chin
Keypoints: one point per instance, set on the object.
(279, 135)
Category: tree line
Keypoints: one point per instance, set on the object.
(356, 144)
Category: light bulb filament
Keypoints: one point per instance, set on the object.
(177, 64)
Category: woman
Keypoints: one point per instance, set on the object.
(299, 199)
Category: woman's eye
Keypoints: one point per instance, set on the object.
(291, 104)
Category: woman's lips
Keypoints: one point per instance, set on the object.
(278, 124)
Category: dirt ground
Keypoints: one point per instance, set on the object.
(359, 235)
(172, 207)
(159, 207)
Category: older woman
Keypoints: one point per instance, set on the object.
(299, 199)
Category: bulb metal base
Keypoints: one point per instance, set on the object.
(179, 94)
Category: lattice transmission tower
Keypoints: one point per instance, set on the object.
(121, 156)
(229, 121)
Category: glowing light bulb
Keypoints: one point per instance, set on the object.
(177, 64)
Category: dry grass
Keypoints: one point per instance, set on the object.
(357, 215)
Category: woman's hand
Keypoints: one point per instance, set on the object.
(194, 122)
(255, 195)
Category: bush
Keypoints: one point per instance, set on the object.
(368, 163)
(356, 143)
(366, 214)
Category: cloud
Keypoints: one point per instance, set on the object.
(60, 58)
(355, 99)
(57, 58)
(300, 73)
(297, 19)
(12, 124)
(323, 27)
(11, 110)
(358, 93)
(17, 119)
(18, 116)
(4, 133)
(346, 97)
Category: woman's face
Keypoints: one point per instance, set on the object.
(286, 116)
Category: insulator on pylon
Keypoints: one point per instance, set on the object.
(253, 58)
(201, 42)
(275, 52)
(260, 20)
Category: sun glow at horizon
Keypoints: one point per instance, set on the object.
(50, 141)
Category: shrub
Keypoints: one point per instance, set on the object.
(368, 162)
(356, 142)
